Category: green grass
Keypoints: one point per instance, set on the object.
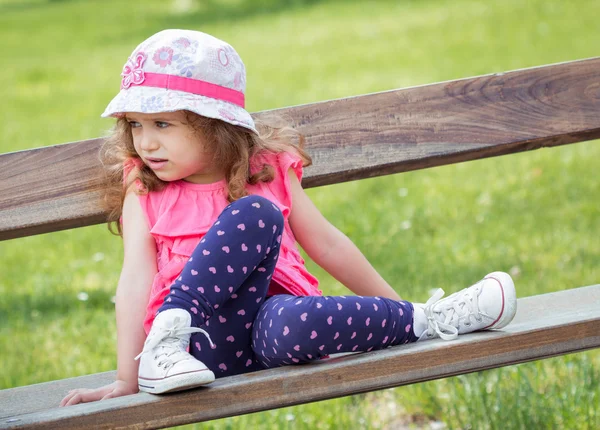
(533, 214)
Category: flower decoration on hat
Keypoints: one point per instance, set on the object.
(132, 71)
(186, 45)
(163, 56)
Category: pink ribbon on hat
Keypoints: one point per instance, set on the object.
(133, 74)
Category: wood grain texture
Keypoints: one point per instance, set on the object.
(545, 326)
(55, 188)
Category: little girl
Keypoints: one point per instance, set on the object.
(212, 282)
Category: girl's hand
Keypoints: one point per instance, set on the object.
(85, 395)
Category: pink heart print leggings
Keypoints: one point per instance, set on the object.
(224, 287)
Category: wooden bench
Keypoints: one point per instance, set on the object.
(54, 188)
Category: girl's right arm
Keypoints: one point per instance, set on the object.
(137, 275)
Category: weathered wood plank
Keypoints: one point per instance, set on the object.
(545, 326)
(50, 189)
(54, 188)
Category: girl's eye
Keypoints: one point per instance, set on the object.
(161, 124)
(134, 124)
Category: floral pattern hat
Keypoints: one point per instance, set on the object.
(184, 70)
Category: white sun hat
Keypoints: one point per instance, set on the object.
(184, 70)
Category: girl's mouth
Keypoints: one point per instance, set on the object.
(156, 163)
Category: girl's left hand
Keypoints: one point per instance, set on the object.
(85, 395)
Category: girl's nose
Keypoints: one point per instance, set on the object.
(148, 142)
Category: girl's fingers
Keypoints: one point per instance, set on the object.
(109, 396)
(82, 395)
(76, 398)
(64, 401)
(68, 397)
(115, 393)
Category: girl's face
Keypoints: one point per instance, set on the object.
(171, 148)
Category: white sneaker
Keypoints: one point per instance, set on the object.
(165, 364)
(489, 304)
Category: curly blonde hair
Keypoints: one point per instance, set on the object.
(233, 147)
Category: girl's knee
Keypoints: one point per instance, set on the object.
(253, 199)
(257, 207)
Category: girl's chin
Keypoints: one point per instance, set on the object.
(164, 176)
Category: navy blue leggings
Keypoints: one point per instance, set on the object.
(224, 287)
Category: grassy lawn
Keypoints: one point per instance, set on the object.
(532, 214)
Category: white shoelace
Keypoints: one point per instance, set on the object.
(171, 343)
(445, 319)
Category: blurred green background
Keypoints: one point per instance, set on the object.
(534, 214)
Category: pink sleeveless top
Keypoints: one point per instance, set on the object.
(181, 213)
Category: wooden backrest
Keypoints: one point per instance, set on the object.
(59, 187)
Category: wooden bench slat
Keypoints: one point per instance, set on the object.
(545, 326)
(58, 187)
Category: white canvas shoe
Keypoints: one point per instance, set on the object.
(489, 304)
(165, 364)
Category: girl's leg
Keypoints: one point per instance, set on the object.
(292, 329)
(230, 330)
(223, 284)
(300, 329)
(244, 239)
